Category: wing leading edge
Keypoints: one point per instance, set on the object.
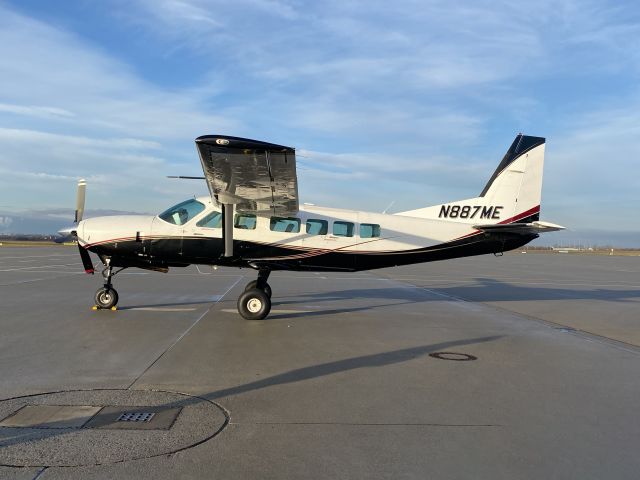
(254, 176)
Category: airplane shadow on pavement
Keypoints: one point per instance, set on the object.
(10, 436)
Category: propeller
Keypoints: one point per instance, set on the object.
(86, 260)
(79, 212)
(72, 231)
(80, 198)
(82, 189)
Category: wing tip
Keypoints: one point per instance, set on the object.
(240, 143)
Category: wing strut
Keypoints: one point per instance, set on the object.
(227, 228)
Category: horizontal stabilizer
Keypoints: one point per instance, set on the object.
(520, 228)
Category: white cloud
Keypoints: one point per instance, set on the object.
(42, 65)
(36, 137)
(36, 110)
(70, 110)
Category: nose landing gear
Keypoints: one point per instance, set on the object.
(255, 301)
(106, 297)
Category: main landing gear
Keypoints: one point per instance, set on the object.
(107, 297)
(255, 301)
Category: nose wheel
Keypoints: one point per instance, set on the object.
(255, 301)
(106, 297)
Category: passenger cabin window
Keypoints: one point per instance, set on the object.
(245, 221)
(343, 229)
(288, 225)
(369, 230)
(183, 212)
(317, 227)
(212, 220)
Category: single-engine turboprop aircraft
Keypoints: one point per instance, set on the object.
(253, 219)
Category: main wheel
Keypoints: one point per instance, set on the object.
(106, 297)
(254, 284)
(254, 304)
(250, 285)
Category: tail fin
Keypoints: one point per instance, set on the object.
(512, 194)
(517, 182)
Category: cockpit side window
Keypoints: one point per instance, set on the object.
(212, 220)
(183, 212)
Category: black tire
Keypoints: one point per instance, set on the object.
(250, 285)
(254, 304)
(106, 297)
(254, 284)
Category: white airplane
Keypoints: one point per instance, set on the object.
(253, 219)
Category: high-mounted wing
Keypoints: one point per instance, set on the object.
(520, 228)
(256, 177)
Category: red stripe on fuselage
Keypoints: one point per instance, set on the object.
(514, 219)
(520, 216)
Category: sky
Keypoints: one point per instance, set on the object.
(412, 102)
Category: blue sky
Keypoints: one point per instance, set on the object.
(411, 101)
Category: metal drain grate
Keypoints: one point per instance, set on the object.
(135, 417)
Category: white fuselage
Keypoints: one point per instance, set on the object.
(396, 233)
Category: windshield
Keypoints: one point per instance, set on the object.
(183, 212)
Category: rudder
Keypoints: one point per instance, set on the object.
(512, 193)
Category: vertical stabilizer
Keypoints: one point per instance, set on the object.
(512, 193)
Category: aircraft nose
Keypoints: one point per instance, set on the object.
(80, 231)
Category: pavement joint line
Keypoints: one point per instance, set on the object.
(198, 274)
(45, 256)
(39, 474)
(584, 334)
(185, 332)
(38, 279)
(517, 282)
(374, 424)
(273, 310)
(42, 266)
(159, 309)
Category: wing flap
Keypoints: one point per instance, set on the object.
(255, 177)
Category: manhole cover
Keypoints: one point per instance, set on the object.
(95, 427)
(456, 357)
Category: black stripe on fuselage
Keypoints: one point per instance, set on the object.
(208, 251)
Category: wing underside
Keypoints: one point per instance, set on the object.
(255, 177)
(520, 228)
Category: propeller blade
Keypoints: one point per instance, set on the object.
(86, 260)
(82, 188)
(68, 231)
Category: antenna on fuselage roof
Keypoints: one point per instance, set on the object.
(389, 206)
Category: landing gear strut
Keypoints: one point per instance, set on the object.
(107, 297)
(255, 301)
